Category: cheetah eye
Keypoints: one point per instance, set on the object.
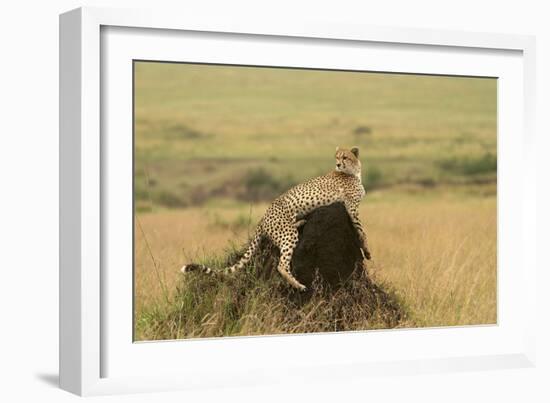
(344, 158)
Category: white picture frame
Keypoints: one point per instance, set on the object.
(96, 354)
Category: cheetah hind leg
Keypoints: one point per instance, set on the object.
(286, 242)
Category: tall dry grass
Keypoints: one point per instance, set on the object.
(440, 257)
(434, 252)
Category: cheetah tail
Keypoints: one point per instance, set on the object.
(252, 247)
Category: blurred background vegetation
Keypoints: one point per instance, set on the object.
(211, 134)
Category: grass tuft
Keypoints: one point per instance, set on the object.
(250, 304)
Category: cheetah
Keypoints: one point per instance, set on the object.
(286, 214)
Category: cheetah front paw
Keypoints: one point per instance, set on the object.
(366, 253)
(299, 223)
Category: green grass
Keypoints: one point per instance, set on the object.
(202, 130)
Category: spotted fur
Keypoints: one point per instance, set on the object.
(286, 214)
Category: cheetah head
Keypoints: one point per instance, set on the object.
(347, 161)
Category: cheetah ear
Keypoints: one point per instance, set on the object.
(355, 151)
(337, 148)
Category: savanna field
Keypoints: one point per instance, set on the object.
(214, 145)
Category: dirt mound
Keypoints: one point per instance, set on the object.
(328, 249)
(329, 245)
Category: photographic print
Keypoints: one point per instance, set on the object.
(272, 200)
